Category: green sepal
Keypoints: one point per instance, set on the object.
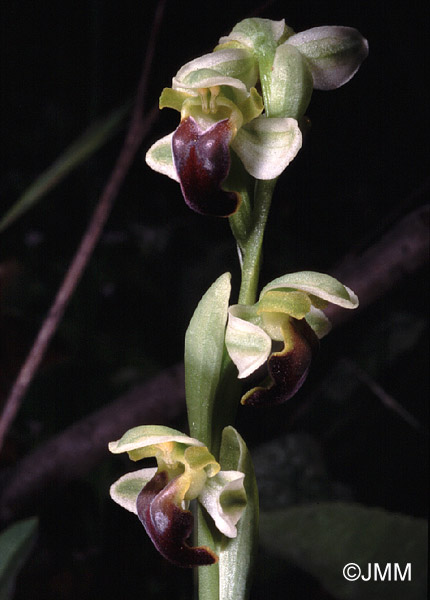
(126, 489)
(262, 37)
(291, 83)
(334, 54)
(258, 35)
(228, 66)
(318, 284)
(204, 345)
(237, 555)
(159, 157)
(139, 441)
(230, 44)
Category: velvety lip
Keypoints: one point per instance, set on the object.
(202, 162)
(168, 525)
(288, 369)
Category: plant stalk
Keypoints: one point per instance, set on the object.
(263, 193)
(249, 233)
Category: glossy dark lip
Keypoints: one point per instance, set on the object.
(287, 369)
(168, 525)
(202, 162)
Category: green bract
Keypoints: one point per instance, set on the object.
(189, 471)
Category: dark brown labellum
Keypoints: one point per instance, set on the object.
(168, 525)
(287, 369)
(202, 162)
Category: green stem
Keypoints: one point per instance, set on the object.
(252, 248)
(207, 577)
(248, 228)
(240, 221)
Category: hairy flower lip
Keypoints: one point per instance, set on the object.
(168, 525)
(202, 161)
(288, 369)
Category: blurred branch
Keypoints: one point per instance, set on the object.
(73, 452)
(139, 126)
(77, 449)
(371, 274)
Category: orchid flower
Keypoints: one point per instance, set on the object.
(160, 496)
(222, 111)
(289, 311)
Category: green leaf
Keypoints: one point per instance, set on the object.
(267, 146)
(290, 470)
(72, 157)
(204, 345)
(16, 543)
(322, 538)
(237, 555)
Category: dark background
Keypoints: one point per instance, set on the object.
(362, 168)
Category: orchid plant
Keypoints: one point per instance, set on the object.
(242, 114)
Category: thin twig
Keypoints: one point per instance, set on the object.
(386, 399)
(138, 127)
(375, 271)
